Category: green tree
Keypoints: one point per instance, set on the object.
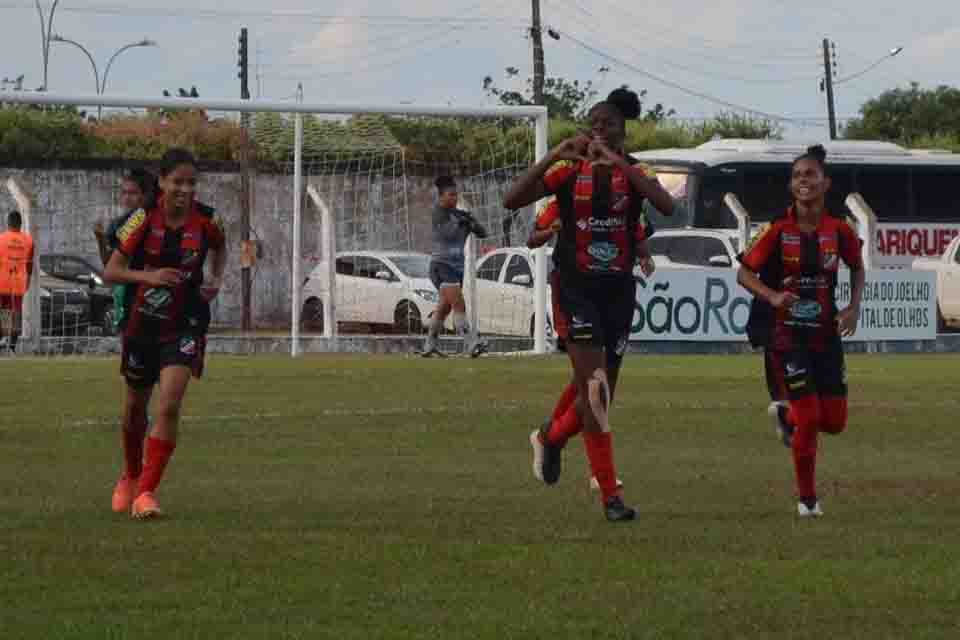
(909, 115)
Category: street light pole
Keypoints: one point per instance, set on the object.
(146, 42)
(101, 85)
(45, 32)
(96, 73)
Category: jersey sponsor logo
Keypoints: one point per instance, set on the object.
(794, 370)
(604, 251)
(790, 238)
(601, 224)
(133, 223)
(806, 309)
(156, 302)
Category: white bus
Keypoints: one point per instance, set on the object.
(915, 193)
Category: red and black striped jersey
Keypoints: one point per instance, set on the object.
(805, 264)
(601, 215)
(160, 313)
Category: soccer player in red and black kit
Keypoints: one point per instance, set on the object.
(805, 248)
(600, 195)
(162, 253)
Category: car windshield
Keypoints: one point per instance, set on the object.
(412, 266)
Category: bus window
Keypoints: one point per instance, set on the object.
(677, 184)
(887, 191)
(711, 212)
(937, 194)
(766, 191)
(841, 186)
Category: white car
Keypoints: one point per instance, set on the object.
(505, 297)
(383, 289)
(947, 268)
(691, 248)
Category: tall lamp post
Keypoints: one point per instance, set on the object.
(101, 84)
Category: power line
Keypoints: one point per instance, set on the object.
(218, 14)
(709, 74)
(674, 85)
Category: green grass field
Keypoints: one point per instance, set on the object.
(359, 497)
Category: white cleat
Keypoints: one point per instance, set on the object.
(537, 447)
(809, 512)
(777, 412)
(595, 486)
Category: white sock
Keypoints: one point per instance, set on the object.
(460, 323)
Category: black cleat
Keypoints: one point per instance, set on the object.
(616, 511)
(479, 349)
(547, 458)
(433, 352)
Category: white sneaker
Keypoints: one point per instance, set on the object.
(806, 512)
(595, 486)
(777, 413)
(537, 447)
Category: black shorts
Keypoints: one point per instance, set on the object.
(443, 274)
(599, 314)
(142, 361)
(802, 373)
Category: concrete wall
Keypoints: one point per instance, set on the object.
(373, 212)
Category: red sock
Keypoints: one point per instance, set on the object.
(600, 452)
(567, 398)
(565, 427)
(132, 437)
(158, 455)
(805, 415)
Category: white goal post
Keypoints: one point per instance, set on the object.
(537, 114)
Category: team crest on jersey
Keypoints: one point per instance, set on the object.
(133, 223)
(188, 346)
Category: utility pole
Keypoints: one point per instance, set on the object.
(539, 70)
(828, 86)
(246, 284)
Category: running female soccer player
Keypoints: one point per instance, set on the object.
(600, 196)
(805, 249)
(162, 253)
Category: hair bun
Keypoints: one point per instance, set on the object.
(626, 101)
(818, 152)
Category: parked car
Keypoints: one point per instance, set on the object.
(64, 306)
(947, 267)
(82, 271)
(505, 297)
(386, 290)
(691, 248)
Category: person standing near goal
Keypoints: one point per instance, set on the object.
(16, 270)
(805, 249)
(162, 253)
(600, 196)
(451, 228)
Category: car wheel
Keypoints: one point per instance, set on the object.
(108, 324)
(407, 320)
(311, 317)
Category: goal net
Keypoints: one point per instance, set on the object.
(327, 211)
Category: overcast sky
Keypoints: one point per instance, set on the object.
(762, 54)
